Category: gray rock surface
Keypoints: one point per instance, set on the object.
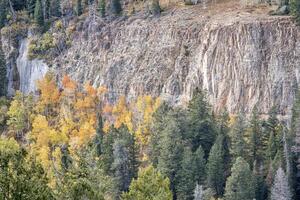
(241, 56)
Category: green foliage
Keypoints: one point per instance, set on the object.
(295, 9)
(38, 13)
(21, 178)
(3, 12)
(116, 7)
(155, 7)
(256, 148)
(102, 8)
(215, 166)
(56, 9)
(150, 185)
(79, 8)
(192, 171)
(240, 185)
(201, 124)
(238, 143)
(31, 6)
(85, 179)
(3, 73)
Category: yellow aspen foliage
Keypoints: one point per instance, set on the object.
(106, 126)
(49, 94)
(122, 114)
(68, 83)
(145, 107)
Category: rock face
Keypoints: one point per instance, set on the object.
(241, 56)
(29, 70)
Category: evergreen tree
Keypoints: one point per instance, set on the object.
(3, 12)
(102, 8)
(116, 7)
(280, 189)
(186, 179)
(238, 144)
(21, 177)
(85, 179)
(215, 167)
(121, 165)
(202, 130)
(79, 8)
(150, 184)
(256, 151)
(155, 7)
(295, 9)
(171, 147)
(3, 74)
(200, 163)
(198, 193)
(38, 13)
(99, 135)
(47, 9)
(56, 8)
(31, 7)
(158, 125)
(240, 185)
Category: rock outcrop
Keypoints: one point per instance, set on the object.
(241, 56)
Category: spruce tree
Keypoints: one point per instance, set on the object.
(3, 12)
(200, 163)
(281, 189)
(256, 150)
(102, 8)
(171, 148)
(38, 13)
(116, 7)
(79, 8)
(215, 167)
(3, 74)
(56, 8)
(150, 184)
(31, 7)
(47, 9)
(240, 185)
(295, 9)
(99, 135)
(187, 176)
(295, 130)
(238, 144)
(201, 124)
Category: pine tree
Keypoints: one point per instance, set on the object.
(201, 125)
(31, 7)
(47, 9)
(200, 163)
(281, 189)
(99, 135)
(295, 9)
(155, 7)
(3, 12)
(238, 144)
(3, 75)
(198, 193)
(102, 8)
(256, 151)
(295, 131)
(121, 164)
(56, 8)
(186, 176)
(38, 13)
(150, 184)
(116, 7)
(240, 185)
(171, 148)
(79, 8)
(215, 166)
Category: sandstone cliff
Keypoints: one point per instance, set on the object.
(241, 56)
